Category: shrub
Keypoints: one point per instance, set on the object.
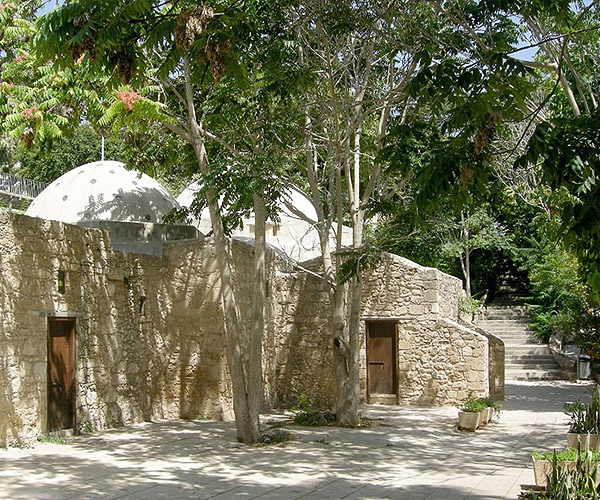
(305, 415)
(566, 455)
(578, 483)
(473, 404)
(274, 436)
(584, 418)
(490, 403)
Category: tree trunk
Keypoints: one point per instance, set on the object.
(245, 422)
(255, 392)
(246, 427)
(468, 272)
(347, 359)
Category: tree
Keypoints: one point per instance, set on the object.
(37, 103)
(164, 64)
(474, 230)
(46, 162)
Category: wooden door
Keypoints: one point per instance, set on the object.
(381, 357)
(61, 373)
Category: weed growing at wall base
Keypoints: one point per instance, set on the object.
(48, 438)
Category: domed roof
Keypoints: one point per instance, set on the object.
(103, 190)
(292, 196)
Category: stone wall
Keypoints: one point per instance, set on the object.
(300, 349)
(149, 331)
(496, 366)
(439, 360)
(150, 334)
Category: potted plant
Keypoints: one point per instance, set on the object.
(491, 408)
(545, 462)
(584, 423)
(469, 414)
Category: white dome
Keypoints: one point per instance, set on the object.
(293, 235)
(300, 201)
(293, 196)
(103, 190)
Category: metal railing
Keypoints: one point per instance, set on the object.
(20, 187)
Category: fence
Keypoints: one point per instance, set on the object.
(20, 187)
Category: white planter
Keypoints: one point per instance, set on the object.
(487, 414)
(468, 420)
(580, 441)
(543, 468)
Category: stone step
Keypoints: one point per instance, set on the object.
(522, 340)
(505, 323)
(504, 315)
(547, 364)
(525, 357)
(533, 375)
(542, 356)
(522, 351)
(507, 329)
(528, 349)
(515, 336)
(507, 311)
(510, 334)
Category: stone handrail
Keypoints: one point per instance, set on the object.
(20, 187)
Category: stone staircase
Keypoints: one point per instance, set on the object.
(525, 358)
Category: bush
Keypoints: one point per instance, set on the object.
(305, 415)
(561, 295)
(275, 436)
(490, 403)
(578, 483)
(584, 418)
(473, 404)
(566, 455)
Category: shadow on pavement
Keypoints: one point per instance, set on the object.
(408, 453)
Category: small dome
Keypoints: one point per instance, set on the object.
(292, 196)
(103, 190)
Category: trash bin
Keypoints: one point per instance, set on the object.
(583, 367)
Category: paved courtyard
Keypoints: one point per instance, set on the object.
(408, 454)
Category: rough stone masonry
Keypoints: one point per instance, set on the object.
(149, 338)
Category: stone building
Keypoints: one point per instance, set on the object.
(106, 322)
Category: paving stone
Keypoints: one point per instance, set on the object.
(408, 454)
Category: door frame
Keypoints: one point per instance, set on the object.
(395, 355)
(72, 320)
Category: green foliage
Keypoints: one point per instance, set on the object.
(305, 415)
(469, 305)
(569, 153)
(276, 436)
(46, 162)
(564, 483)
(566, 455)
(87, 427)
(37, 103)
(473, 404)
(576, 412)
(357, 261)
(474, 230)
(22, 445)
(490, 403)
(562, 297)
(584, 418)
(49, 438)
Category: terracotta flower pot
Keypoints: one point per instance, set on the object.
(468, 420)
